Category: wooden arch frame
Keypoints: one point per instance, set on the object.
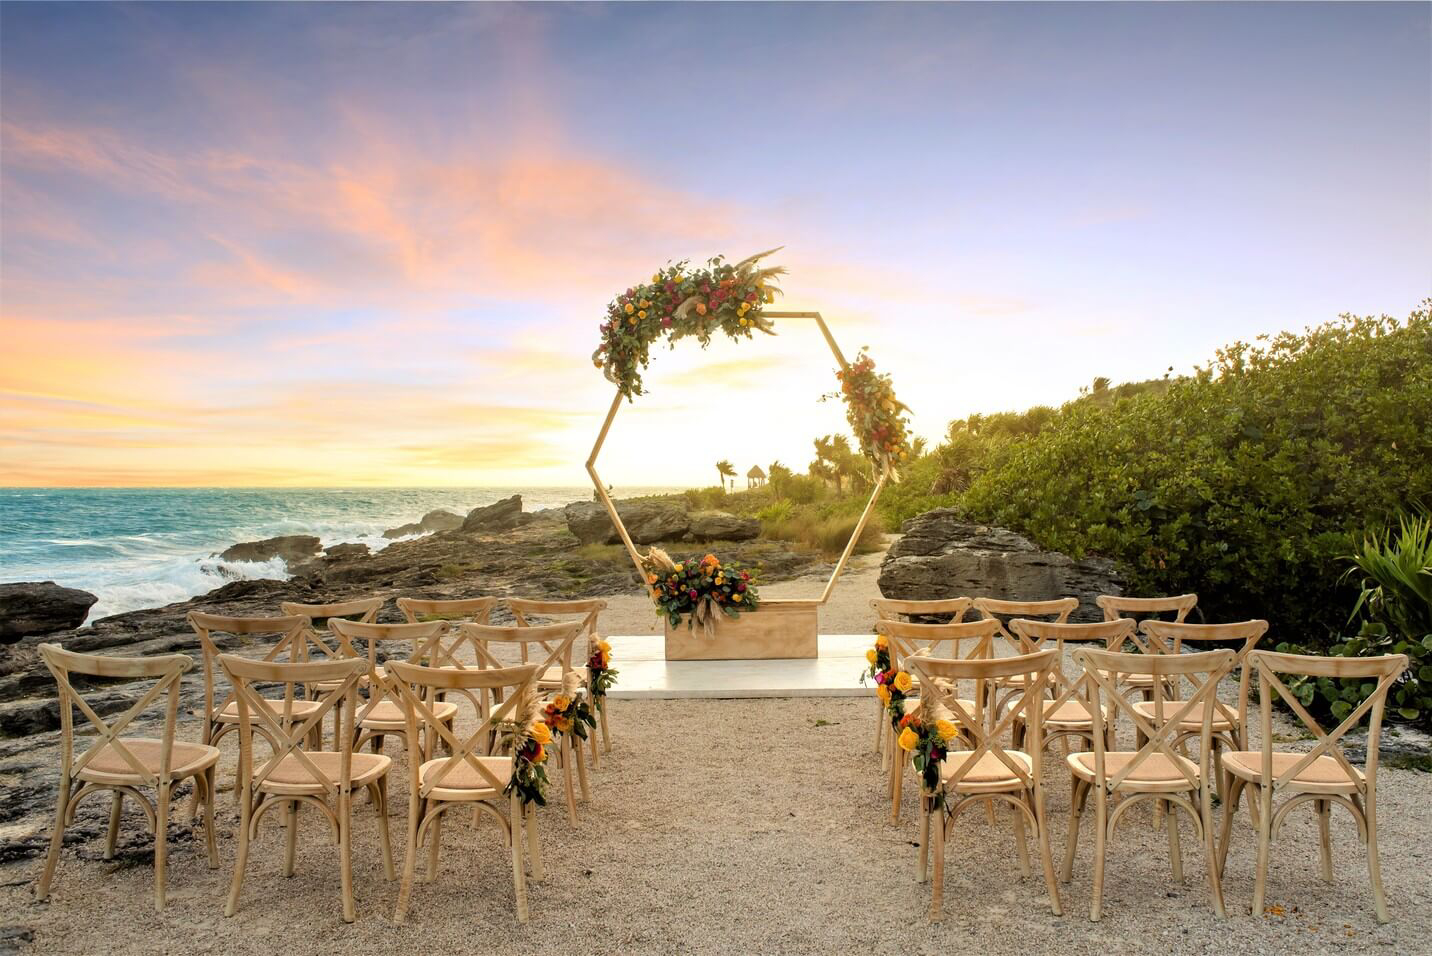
(636, 557)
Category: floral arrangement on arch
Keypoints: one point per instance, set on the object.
(678, 302)
(701, 589)
(880, 421)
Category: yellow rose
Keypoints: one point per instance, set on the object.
(744, 323)
(883, 693)
(630, 308)
(870, 655)
(541, 754)
(903, 682)
(656, 278)
(736, 596)
(908, 739)
(882, 642)
(603, 646)
(541, 733)
(561, 702)
(947, 730)
(644, 303)
(701, 308)
(641, 314)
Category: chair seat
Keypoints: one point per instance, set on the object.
(327, 685)
(185, 760)
(463, 782)
(552, 676)
(1154, 774)
(292, 776)
(1193, 720)
(1070, 714)
(298, 709)
(388, 715)
(1142, 680)
(989, 774)
(1323, 775)
(941, 711)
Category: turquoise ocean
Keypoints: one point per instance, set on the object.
(139, 548)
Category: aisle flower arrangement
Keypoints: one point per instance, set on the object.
(701, 588)
(892, 686)
(927, 743)
(529, 776)
(601, 675)
(569, 713)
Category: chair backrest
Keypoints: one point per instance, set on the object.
(1037, 635)
(475, 610)
(1116, 606)
(1103, 671)
(941, 676)
(1168, 637)
(291, 630)
(892, 609)
(1385, 670)
(555, 639)
(362, 609)
(961, 640)
(351, 634)
(285, 733)
(523, 610)
(514, 686)
(166, 670)
(1057, 610)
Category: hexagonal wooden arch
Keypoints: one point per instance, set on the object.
(636, 555)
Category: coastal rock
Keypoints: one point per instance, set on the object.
(499, 516)
(294, 549)
(721, 526)
(28, 608)
(941, 555)
(350, 550)
(646, 521)
(439, 519)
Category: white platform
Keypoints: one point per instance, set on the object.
(642, 671)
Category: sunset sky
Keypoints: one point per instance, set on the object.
(332, 244)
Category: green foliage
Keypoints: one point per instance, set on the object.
(1245, 482)
(825, 527)
(775, 512)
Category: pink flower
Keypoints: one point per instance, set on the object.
(666, 322)
(691, 594)
(880, 678)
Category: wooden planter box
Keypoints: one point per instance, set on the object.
(780, 629)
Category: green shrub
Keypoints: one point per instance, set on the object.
(1244, 483)
(775, 513)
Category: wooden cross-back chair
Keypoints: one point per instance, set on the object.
(589, 610)
(294, 775)
(1005, 612)
(124, 764)
(291, 632)
(936, 611)
(1066, 713)
(1140, 609)
(1156, 771)
(557, 641)
(381, 715)
(454, 610)
(962, 640)
(475, 773)
(362, 610)
(985, 770)
(1322, 775)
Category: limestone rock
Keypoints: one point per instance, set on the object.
(647, 521)
(349, 550)
(439, 519)
(941, 555)
(294, 549)
(498, 516)
(29, 608)
(721, 526)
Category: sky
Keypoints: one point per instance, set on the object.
(336, 244)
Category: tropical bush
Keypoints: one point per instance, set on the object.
(1245, 482)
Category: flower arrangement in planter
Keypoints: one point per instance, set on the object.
(702, 589)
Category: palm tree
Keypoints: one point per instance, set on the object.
(725, 470)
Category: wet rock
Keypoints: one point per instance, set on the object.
(941, 555)
(351, 550)
(721, 526)
(433, 521)
(293, 549)
(498, 516)
(30, 608)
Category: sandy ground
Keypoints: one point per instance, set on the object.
(731, 826)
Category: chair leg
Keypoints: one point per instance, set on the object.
(879, 727)
(519, 876)
(534, 844)
(345, 853)
(1264, 794)
(1230, 808)
(111, 837)
(1325, 838)
(1019, 842)
(1175, 853)
(937, 885)
(379, 790)
(568, 785)
(1101, 840)
(922, 858)
(1046, 854)
(435, 829)
(161, 842)
(1078, 793)
(1210, 854)
(210, 835)
(606, 734)
(410, 858)
(1374, 865)
(582, 776)
(897, 783)
(290, 826)
(241, 859)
